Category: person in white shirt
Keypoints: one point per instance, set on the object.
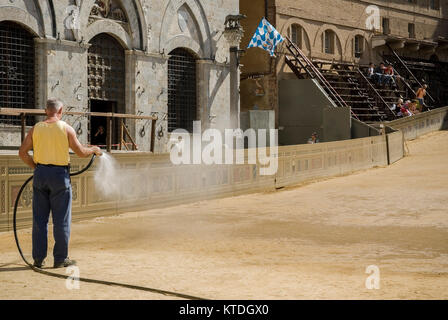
(371, 71)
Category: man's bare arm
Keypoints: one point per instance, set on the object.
(77, 147)
(25, 148)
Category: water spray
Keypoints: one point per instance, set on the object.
(61, 276)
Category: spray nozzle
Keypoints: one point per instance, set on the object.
(98, 152)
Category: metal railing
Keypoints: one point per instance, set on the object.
(314, 73)
(372, 88)
(403, 63)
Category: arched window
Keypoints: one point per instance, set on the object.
(16, 70)
(358, 46)
(296, 35)
(106, 81)
(182, 106)
(329, 41)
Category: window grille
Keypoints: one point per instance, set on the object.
(106, 70)
(17, 73)
(182, 107)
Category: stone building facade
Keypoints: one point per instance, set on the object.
(143, 57)
(353, 31)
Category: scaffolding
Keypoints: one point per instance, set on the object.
(22, 114)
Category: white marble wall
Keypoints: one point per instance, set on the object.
(153, 29)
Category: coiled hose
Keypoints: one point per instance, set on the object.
(57, 275)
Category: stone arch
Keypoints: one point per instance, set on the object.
(137, 23)
(306, 31)
(111, 28)
(136, 36)
(47, 15)
(23, 18)
(318, 37)
(42, 25)
(181, 41)
(348, 48)
(168, 43)
(143, 25)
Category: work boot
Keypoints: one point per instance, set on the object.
(39, 264)
(64, 264)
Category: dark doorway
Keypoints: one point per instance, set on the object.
(98, 125)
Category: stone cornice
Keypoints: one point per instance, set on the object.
(63, 43)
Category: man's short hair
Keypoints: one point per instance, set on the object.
(54, 104)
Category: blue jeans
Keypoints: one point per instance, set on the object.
(379, 78)
(51, 191)
(388, 79)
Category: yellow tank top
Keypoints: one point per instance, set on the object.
(50, 143)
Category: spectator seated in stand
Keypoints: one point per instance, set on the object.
(405, 110)
(371, 72)
(314, 139)
(389, 75)
(413, 107)
(398, 105)
(379, 74)
(402, 111)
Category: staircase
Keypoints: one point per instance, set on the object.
(304, 68)
(352, 85)
(387, 97)
(344, 83)
(422, 71)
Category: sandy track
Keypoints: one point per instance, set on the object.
(310, 242)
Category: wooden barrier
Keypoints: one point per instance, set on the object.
(23, 113)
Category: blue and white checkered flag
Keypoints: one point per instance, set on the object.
(266, 37)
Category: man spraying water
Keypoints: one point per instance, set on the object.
(50, 141)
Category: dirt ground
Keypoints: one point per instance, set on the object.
(309, 242)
